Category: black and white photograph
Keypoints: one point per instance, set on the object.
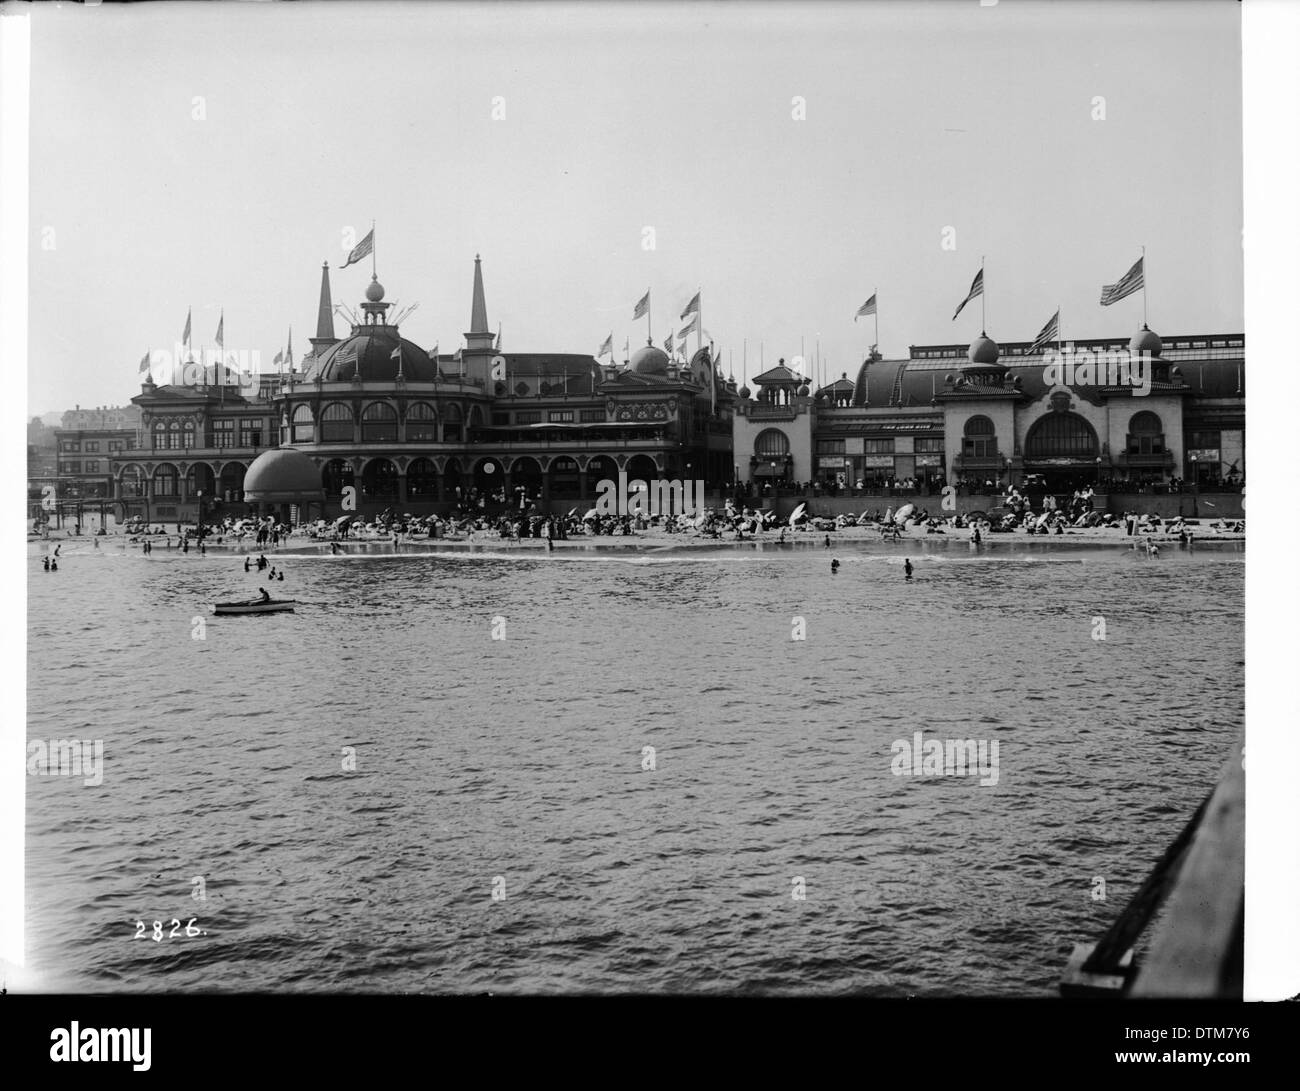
(636, 499)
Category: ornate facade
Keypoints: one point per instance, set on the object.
(417, 432)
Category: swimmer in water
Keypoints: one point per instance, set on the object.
(247, 564)
(907, 568)
(47, 564)
(828, 541)
(835, 566)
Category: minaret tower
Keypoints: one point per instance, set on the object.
(325, 316)
(479, 341)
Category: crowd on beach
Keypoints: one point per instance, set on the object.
(485, 516)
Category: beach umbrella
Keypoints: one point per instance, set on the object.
(794, 515)
(593, 514)
(900, 516)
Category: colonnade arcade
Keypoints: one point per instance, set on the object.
(403, 479)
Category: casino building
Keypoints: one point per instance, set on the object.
(988, 414)
(375, 413)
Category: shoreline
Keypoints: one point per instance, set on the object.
(658, 541)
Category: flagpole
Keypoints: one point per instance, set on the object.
(875, 294)
(983, 295)
(1144, 287)
(373, 256)
(699, 320)
(649, 326)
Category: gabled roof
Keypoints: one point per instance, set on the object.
(777, 375)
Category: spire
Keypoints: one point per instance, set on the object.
(325, 316)
(479, 338)
(478, 322)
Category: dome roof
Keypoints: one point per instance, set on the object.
(744, 392)
(983, 350)
(368, 354)
(649, 360)
(803, 391)
(374, 290)
(1145, 341)
(282, 474)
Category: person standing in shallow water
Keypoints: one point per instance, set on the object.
(907, 568)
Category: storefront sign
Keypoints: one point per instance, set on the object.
(827, 462)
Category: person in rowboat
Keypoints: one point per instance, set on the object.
(265, 596)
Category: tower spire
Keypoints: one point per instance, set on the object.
(325, 316)
(479, 338)
(478, 322)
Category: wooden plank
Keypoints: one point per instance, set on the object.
(1197, 950)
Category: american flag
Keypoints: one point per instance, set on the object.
(869, 307)
(692, 306)
(606, 345)
(1046, 334)
(1129, 283)
(643, 307)
(976, 288)
(364, 247)
(690, 327)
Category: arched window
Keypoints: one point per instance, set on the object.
(1061, 435)
(421, 423)
(303, 432)
(1146, 435)
(159, 435)
(771, 443)
(979, 438)
(379, 423)
(452, 426)
(166, 482)
(132, 482)
(336, 424)
(189, 435)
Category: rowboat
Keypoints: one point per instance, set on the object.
(255, 606)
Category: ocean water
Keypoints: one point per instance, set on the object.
(501, 829)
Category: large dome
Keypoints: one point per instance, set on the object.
(282, 474)
(649, 361)
(368, 355)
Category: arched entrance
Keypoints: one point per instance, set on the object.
(230, 485)
(599, 468)
(335, 476)
(1063, 448)
(421, 480)
(562, 478)
(642, 468)
(525, 481)
(771, 461)
(489, 477)
(451, 480)
(379, 481)
(199, 478)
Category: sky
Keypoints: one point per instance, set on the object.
(213, 156)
